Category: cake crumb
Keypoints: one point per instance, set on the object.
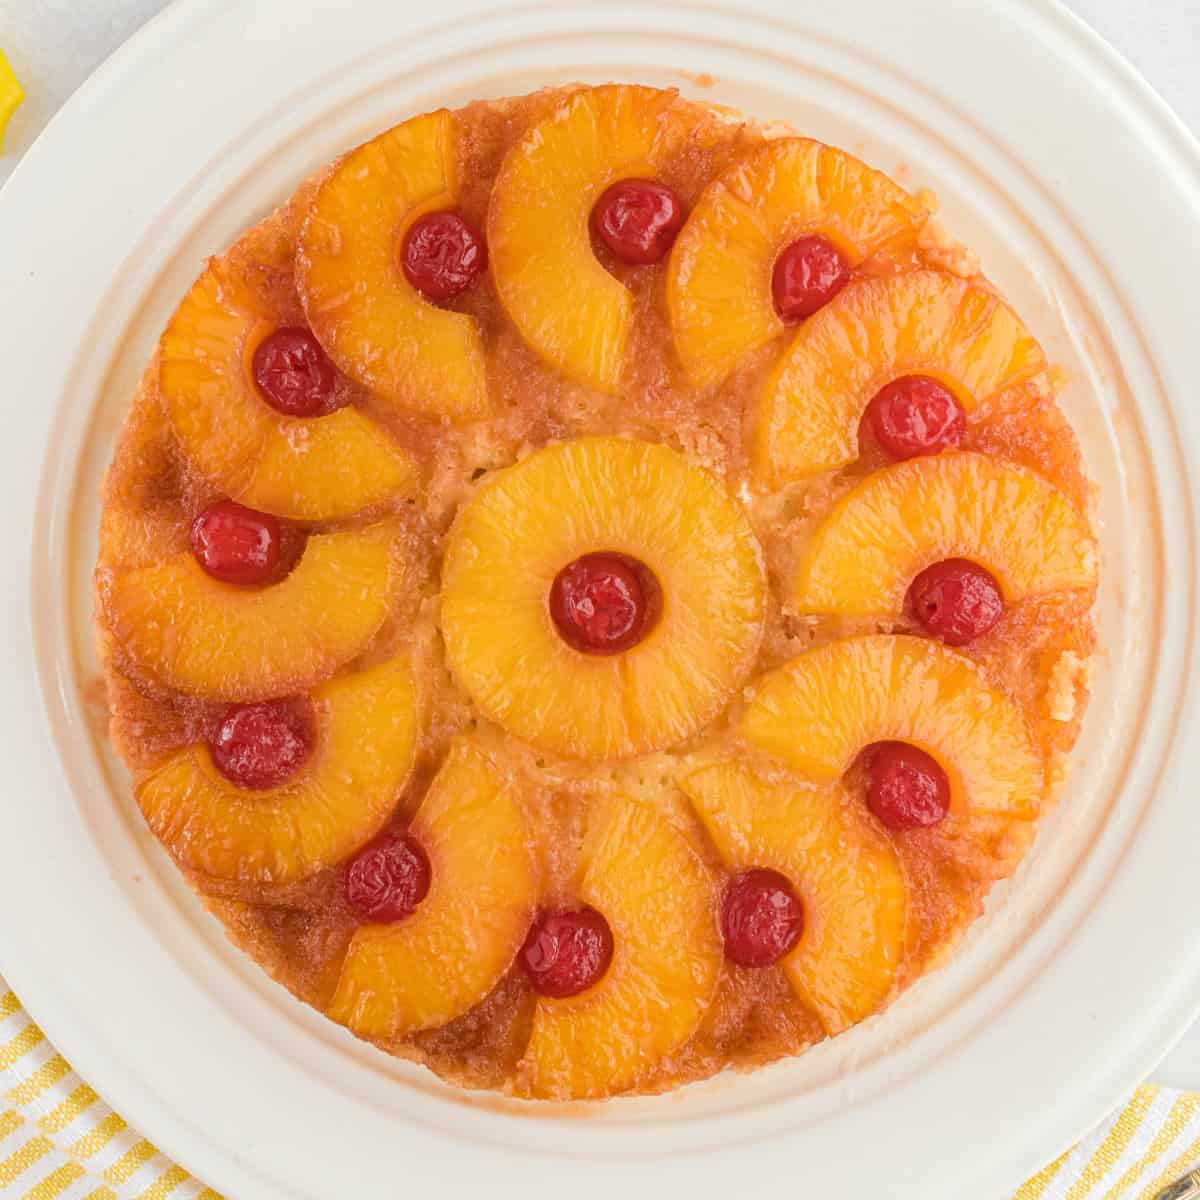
(1061, 692)
(939, 249)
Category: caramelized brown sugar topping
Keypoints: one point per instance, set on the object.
(520, 631)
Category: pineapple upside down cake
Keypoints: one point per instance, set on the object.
(594, 591)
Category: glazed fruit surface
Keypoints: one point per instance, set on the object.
(594, 591)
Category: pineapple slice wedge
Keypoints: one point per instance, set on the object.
(719, 277)
(220, 641)
(372, 322)
(870, 333)
(307, 469)
(363, 756)
(602, 494)
(433, 966)
(843, 868)
(819, 711)
(902, 519)
(568, 308)
(639, 871)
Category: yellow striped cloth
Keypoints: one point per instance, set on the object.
(60, 1141)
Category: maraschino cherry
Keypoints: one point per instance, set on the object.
(387, 880)
(443, 254)
(638, 220)
(567, 951)
(236, 544)
(294, 375)
(955, 600)
(603, 603)
(261, 745)
(916, 415)
(808, 273)
(761, 918)
(906, 788)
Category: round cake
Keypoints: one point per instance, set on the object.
(595, 590)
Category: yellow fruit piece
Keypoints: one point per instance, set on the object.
(590, 495)
(870, 333)
(221, 641)
(11, 95)
(719, 278)
(444, 959)
(640, 872)
(374, 324)
(818, 712)
(906, 517)
(307, 469)
(363, 756)
(843, 868)
(572, 312)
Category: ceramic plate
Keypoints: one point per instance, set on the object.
(1079, 189)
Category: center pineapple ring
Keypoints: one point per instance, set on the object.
(576, 498)
(593, 592)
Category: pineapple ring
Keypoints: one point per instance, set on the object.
(904, 518)
(433, 966)
(602, 494)
(306, 469)
(819, 711)
(844, 966)
(719, 277)
(363, 757)
(567, 307)
(372, 322)
(665, 966)
(871, 332)
(220, 641)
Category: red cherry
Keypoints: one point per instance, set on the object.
(237, 544)
(906, 789)
(638, 220)
(761, 918)
(294, 374)
(261, 745)
(567, 951)
(603, 603)
(808, 273)
(443, 254)
(387, 880)
(955, 600)
(916, 415)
